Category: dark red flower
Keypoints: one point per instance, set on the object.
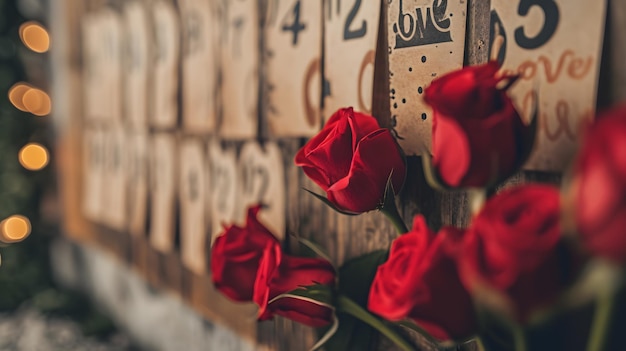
(419, 281)
(351, 159)
(600, 187)
(236, 255)
(478, 135)
(514, 246)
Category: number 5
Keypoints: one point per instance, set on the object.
(551, 21)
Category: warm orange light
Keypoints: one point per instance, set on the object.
(37, 102)
(35, 37)
(33, 157)
(16, 93)
(15, 228)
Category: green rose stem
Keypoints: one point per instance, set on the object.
(519, 338)
(350, 307)
(394, 216)
(601, 321)
(390, 210)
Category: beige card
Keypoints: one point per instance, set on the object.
(351, 33)
(293, 40)
(555, 45)
(426, 40)
(166, 57)
(199, 70)
(93, 173)
(194, 224)
(114, 179)
(262, 181)
(136, 62)
(239, 47)
(163, 171)
(137, 181)
(224, 188)
(112, 35)
(93, 71)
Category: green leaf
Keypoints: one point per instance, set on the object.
(356, 275)
(330, 204)
(316, 293)
(330, 332)
(347, 305)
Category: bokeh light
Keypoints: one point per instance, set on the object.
(37, 102)
(15, 228)
(16, 93)
(35, 37)
(33, 157)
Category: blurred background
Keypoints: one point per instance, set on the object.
(35, 314)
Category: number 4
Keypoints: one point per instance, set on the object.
(296, 25)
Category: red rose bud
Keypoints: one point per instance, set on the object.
(288, 273)
(236, 255)
(600, 187)
(351, 159)
(478, 137)
(419, 281)
(514, 247)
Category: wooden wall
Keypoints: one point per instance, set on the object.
(343, 237)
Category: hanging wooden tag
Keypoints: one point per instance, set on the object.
(239, 46)
(164, 94)
(555, 45)
(114, 193)
(163, 191)
(137, 180)
(194, 224)
(93, 173)
(93, 72)
(199, 70)
(224, 188)
(136, 61)
(351, 33)
(262, 180)
(293, 53)
(426, 40)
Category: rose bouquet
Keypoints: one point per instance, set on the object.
(533, 256)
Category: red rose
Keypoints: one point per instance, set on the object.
(600, 187)
(236, 254)
(513, 246)
(351, 159)
(419, 281)
(279, 274)
(477, 133)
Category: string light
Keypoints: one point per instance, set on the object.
(15, 228)
(35, 37)
(37, 102)
(16, 94)
(33, 156)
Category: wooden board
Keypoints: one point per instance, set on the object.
(555, 45)
(351, 30)
(194, 224)
(163, 190)
(426, 40)
(293, 38)
(165, 81)
(199, 68)
(262, 181)
(136, 58)
(239, 48)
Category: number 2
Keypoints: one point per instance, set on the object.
(354, 34)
